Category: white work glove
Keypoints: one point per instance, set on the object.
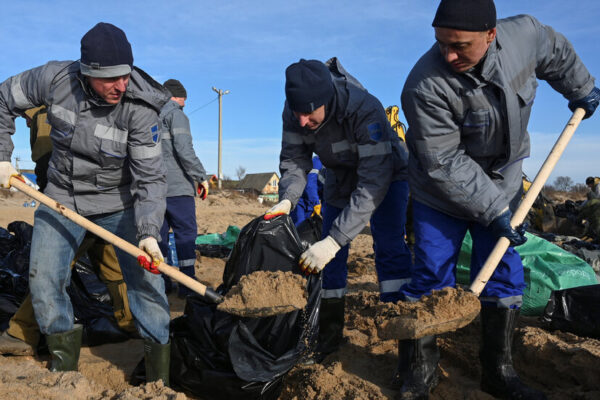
(6, 171)
(203, 189)
(150, 246)
(283, 207)
(318, 255)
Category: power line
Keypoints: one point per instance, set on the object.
(202, 106)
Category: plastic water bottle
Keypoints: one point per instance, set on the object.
(172, 256)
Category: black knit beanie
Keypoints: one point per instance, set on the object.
(466, 15)
(105, 52)
(308, 85)
(176, 88)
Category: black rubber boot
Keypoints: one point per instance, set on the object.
(64, 348)
(331, 326)
(498, 376)
(417, 368)
(157, 358)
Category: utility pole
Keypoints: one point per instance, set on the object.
(221, 93)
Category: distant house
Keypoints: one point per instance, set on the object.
(265, 185)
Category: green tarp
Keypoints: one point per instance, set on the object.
(226, 239)
(547, 268)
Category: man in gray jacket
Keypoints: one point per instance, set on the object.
(184, 171)
(467, 102)
(328, 112)
(106, 164)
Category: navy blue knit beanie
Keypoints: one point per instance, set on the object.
(176, 88)
(308, 85)
(105, 52)
(466, 15)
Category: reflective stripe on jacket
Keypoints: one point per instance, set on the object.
(356, 144)
(183, 167)
(467, 132)
(105, 157)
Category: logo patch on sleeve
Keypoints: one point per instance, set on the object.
(155, 133)
(375, 131)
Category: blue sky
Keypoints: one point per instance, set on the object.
(245, 46)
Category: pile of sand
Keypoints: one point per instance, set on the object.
(266, 293)
(442, 311)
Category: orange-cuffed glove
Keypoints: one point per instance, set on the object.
(283, 207)
(6, 172)
(150, 246)
(203, 189)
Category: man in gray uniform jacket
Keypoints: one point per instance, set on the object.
(184, 171)
(106, 164)
(328, 112)
(467, 102)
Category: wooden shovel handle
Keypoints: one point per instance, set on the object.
(113, 239)
(536, 187)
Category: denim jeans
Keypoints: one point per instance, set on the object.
(53, 246)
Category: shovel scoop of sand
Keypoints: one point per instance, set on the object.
(265, 293)
(443, 311)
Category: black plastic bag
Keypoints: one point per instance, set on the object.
(14, 268)
(218, 355)
(575, 310)
(310, 229)
(92, 306)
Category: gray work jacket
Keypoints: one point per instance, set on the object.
(467, 132)
(105, 157)
(356, 144)
(183, 167)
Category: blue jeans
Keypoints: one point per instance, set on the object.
(438, 238)
(54, 243)
(393, 261)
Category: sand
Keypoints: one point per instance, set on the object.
(443, 311)
(562, 365)
(265, 293)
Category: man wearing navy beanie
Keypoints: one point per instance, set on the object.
(467, 102)
(328, 112)
(106, 165)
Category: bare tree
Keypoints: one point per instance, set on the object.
(240, 172)
(563, 183)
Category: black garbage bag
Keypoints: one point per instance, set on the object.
(310, 229)
(213, 250)
(575, 310)
(92, 306)
(14, 268)
(218, 355)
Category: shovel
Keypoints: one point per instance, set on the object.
(113, 239)
(408, 326)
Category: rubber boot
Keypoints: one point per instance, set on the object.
(157, 359)
(417, 367)
(64, 348)
(14, 346)
(498, 376)
(331, 326)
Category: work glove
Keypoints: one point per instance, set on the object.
(318, 255)
(150, 246)
(283, 207)
(501, 228)
(6, 171)
(316, 210)
(203, 189)
(589, 103)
